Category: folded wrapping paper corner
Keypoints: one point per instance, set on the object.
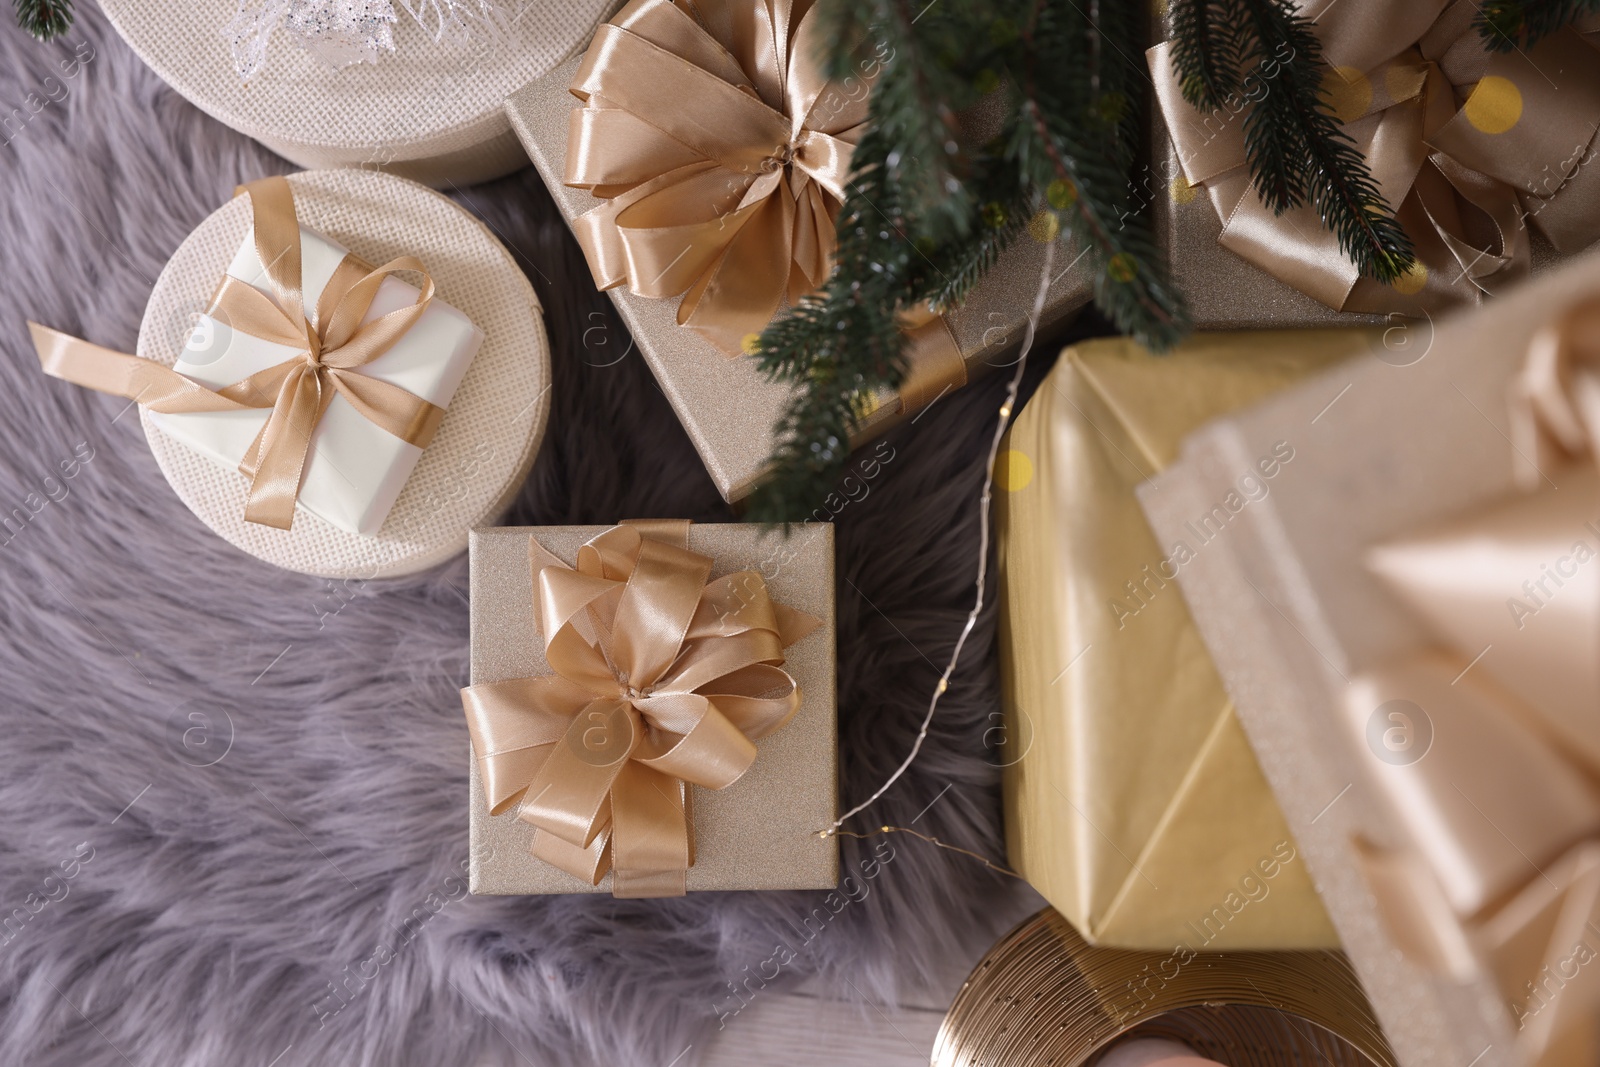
(1467, 147)
(1488, 746)
(662, 678)
(325, 350)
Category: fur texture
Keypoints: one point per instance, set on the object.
(232, 798)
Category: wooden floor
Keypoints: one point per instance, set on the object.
(818, 1027)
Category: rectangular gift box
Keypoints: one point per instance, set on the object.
(726, 404)
(1133, 802)
(1385, 446)
(759, 833)
(355, 469)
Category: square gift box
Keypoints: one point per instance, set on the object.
(1133, 802)
(355, 469)
(1431, 745)
(725, 403)
(761, 832)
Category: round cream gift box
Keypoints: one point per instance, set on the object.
(491, 430)
(430, 111)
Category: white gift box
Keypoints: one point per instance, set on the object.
(355, 469)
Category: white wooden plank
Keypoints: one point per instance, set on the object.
(796, 1030)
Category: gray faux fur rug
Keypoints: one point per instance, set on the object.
(302, 897)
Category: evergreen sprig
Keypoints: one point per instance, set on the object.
(926, 211)
(1296, 150)
(1509, 24)
(45, 19)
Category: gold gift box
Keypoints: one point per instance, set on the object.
(760, 832)
(725, 403)
(1133, 802)
(1300, 619)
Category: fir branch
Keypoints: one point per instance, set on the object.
(1511, 24)
(44, 19)
(1296, 150)
(927, 212)
(1206, 53)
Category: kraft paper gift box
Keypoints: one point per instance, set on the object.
(1408, 625)
(1487, 159)
(355, 470)
(760, 832)
(725, 403)
(1133, 802)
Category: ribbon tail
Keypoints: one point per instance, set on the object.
(279, 452)
(651, 853)
(568, 796)
(106, 370)
(589, 864)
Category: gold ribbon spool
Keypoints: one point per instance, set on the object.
(1043, 997)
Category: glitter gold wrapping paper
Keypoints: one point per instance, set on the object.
(1133, 801)
(760, 832)
(727, 406)
(1293, 616)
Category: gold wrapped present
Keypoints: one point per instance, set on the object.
(1133, 802)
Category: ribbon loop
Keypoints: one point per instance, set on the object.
(716, 111)
(299, 390)
(662, 678)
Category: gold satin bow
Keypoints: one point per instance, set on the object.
(332, 347)
(1467, 144)
(1504, 804)
(661, 679)
(721, 152)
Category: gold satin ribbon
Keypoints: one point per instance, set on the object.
(1504, 807)
(722, 154)
(1468, 144)
(332, 346)
(661, 678)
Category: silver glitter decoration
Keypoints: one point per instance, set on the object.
(344, 32)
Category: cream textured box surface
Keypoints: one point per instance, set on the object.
(1287, 597)
(760, 832)
(356, 469)
(725, 403)
(430, 110)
